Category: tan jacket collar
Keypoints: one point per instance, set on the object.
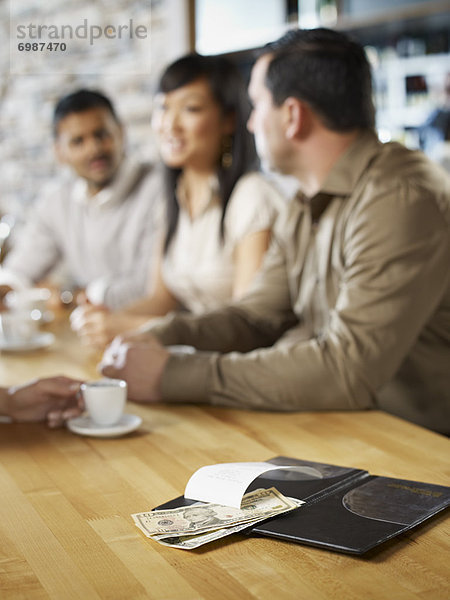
(344, 175)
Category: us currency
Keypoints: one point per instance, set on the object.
(201, 517)
(190, 542)
(256, 506)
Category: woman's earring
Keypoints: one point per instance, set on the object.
(227, 156)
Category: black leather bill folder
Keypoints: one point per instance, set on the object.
(346, 509)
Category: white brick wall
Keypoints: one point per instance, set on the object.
(27, 101)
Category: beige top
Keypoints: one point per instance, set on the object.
(352, 302)
(106, 241)
(199, 268)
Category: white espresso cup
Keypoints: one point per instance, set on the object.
(105, 400)
(17, 326)
(33, 300)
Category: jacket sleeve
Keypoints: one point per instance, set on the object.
(395, 273)
(257, 320)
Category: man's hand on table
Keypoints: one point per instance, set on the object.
(54, 399)
(140, 364)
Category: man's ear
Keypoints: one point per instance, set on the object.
(123, 137)
(58, 151)
(122, 131)
(293, 109)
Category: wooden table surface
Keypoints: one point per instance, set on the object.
(66, 500)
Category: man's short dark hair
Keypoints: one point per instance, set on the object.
(327, 70)
(80, 101)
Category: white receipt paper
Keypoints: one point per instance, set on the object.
(226, 483)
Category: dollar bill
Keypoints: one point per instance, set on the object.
(191, 542)
(201, 517)
(201, 523)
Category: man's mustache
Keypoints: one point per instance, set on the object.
(106, 157)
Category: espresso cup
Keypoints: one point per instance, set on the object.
(105, 400)
(18, 326)
(33, 300)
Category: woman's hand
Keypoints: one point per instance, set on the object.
(97, 326)
(94, 324)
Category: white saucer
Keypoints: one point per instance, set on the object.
(84, 426)
(42, 340)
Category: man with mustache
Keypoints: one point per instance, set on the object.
(103, 222)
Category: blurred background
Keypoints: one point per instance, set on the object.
(407, 41)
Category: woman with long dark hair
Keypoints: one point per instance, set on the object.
(220, 210)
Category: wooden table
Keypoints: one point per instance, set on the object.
(65, 502)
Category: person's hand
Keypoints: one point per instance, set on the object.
(54, 399)
(93, 324)
(97, 326)
(140, 364)
(138, 335)
(80, 297)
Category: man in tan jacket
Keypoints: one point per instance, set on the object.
(352, 307)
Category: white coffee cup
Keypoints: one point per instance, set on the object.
(18, 326)
(33, 300)
(105, 400)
